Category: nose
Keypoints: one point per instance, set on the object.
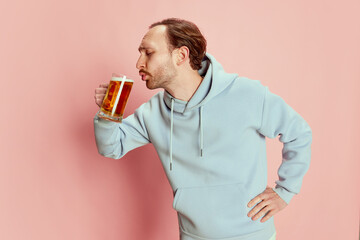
(140, 63)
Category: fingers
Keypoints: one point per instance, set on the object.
(100, 90)
(104, 85)
(100, 93)
(257, 209)
(266, 205)
(268, 215)
(264, 211)
(267, 211)
(99, 100)
(255, 200)
(264, 195)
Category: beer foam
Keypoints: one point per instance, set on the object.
(121, 79)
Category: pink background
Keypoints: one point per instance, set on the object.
(53, 183)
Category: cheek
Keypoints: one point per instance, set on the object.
(154, 63)
(150, 63)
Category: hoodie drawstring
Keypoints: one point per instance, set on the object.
(171, 131)
(201, 133)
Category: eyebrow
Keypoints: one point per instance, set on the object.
(143, 48)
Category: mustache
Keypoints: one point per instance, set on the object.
(143, 71)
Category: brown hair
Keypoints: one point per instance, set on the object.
(184, 33)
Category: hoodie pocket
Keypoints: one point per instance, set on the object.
(214, 211)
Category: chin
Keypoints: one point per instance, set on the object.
(150, 86)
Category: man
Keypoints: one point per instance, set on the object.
(208, 128)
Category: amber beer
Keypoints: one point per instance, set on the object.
(116, 98)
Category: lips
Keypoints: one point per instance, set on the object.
(143, 75)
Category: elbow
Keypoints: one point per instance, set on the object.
(107, 148)
(109, 151)
(110, 155)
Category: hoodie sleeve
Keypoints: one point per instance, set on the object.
(278, 118)
(114, 140)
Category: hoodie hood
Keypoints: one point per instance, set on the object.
(214, 82)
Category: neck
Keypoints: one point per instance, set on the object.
(184, 87)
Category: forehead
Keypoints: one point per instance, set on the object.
(154, 38)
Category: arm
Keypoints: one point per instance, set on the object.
(279, 119)
(114, 140)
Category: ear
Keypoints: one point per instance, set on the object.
(183, 55)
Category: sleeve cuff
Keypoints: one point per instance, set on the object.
(283, 193)
(101, 125)
(101, 120)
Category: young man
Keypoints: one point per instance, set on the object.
(208, 128)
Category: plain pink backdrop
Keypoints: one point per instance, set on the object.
(53, 54)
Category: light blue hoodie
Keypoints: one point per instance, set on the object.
(213, 150)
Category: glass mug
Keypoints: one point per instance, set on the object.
(116, 97)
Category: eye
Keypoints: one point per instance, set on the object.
(148, 53)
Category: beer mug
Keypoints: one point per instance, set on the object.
(116, 98)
